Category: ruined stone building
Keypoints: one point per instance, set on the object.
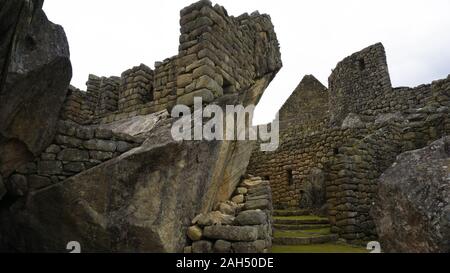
(336, 142)
(101, 167)
(105, 169)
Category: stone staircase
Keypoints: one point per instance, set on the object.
(297, 231)
(298, 227)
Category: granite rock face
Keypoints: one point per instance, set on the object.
(123, 204)
(35, 72)
(412, 209)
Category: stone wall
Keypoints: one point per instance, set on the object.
(75, 149)
(351, 182)
(370, 124)
(218, 54)
(361, 84)
(399, 99)
(307, 107)
(108, 96)
(355, 170)
(356, 81)
(240, 225)
(289, 167)
(136, 88)
(75, 107)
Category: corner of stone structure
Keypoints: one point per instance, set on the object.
(356, 79)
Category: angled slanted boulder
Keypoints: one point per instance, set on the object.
(412, 210)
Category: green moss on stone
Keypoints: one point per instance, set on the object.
(301, 233)
(302, 217)
(319, 248)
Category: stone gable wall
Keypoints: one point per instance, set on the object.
(353, 153)
(306, 107)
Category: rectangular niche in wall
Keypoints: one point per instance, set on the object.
(361, 64)
(290, 177)
(227, 87)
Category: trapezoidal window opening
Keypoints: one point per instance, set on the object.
(290, 177)
(361, 64)
(227, 87)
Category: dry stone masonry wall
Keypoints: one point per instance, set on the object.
(356, 81)
(61, 144)
(75, 107)
(307, 107)
(368, 124)
(218, 54)
(361, 84)
(240, 225)
(75, 149)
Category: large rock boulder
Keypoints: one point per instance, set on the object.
(35, 72)
(412, 209)
(143, 200)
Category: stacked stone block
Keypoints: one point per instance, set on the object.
(356, 81)
(361, 84)
(307, 107)
(240, 225)
(229, 50)
(440, 92)
(93, 91)
(165, 83)
(351, 182)
(75, 149)
(354, 172)
(136, 88)
(218, 54)
(198, 75)
(289, 167)
(108, 96)
(370, 124)
(75, 107)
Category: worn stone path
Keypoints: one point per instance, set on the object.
(299, 231)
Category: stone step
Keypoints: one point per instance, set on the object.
(319, 239)
(302, 233)
(291, 212)
(299, 227)
(332, 247)
(299, 220)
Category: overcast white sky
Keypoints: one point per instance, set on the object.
(107, 37)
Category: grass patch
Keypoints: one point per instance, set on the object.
(319, 248)
(290, 210)
(301, 233)
(302, 217)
